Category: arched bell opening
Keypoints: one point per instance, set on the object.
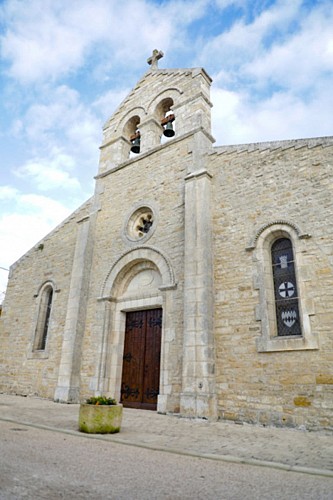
(166, 117)
(132, 132)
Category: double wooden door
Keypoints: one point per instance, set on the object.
(141, 360)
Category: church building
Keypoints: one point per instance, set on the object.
(197, 280)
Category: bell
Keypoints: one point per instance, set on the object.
(168, 131)
(136, 145)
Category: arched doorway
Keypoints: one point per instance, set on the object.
(138, 288)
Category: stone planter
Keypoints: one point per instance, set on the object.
(100, 419)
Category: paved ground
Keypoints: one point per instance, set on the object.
(287, 449)
(39, 464)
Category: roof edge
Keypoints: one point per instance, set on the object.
(282, 144)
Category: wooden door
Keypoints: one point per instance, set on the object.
(141, 360)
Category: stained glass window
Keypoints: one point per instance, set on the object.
(285, 288)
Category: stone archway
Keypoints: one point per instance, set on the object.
(140, 280)
(128, 260)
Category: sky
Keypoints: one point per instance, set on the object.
(65, 66)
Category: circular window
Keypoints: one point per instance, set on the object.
(140, 224)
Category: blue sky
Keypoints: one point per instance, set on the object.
(65, 66)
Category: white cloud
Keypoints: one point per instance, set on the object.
(245, 41)
(298, 61)
(62, 136)
(52, 39)
(47, 39)
(276, 76)
(48, 174)
(284, 115)
(228, 124)
(24, 222)
(18, 204)
(52, 210)
(58, 109)
(8, 192)
(107, 103)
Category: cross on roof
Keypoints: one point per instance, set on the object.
(157, 54)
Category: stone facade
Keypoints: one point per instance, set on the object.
(186, 227)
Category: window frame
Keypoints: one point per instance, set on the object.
(39, 347)
(270, 341)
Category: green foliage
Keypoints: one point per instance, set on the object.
(101, 400)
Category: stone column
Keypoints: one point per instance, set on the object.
(68, 387)
(151, 131)
(167, 401)
(198, 397)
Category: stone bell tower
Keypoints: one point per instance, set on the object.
(181, 94)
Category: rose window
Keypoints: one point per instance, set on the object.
(140, 224)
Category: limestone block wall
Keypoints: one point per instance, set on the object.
(156, 180)
(23, 371)
(257, 185)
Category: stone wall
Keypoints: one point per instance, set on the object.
(23, 371)
(256, 187)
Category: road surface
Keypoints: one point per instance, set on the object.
(40, 464)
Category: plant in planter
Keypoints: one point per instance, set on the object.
(100, 415)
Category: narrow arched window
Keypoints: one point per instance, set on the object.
(43, 319)
(285, 288)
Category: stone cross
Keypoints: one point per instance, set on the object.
(157, 54)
